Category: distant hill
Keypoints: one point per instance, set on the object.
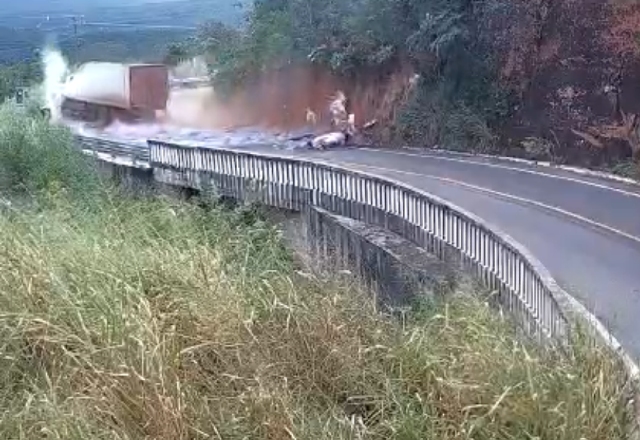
(12, 9)
(138, 29)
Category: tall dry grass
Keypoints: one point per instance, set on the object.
(149, 318)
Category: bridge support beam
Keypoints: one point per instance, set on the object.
(393, 268)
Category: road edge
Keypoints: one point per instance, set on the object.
(535, 163)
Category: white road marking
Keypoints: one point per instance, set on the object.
(506, 167)
(512, 197)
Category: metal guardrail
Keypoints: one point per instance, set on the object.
(522, 284)
(137, 153)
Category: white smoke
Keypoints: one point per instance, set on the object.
(192, 68)
(55, 69)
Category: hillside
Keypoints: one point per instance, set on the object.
(51, 7)
(540, 79)
(12, 9)
(140, 29)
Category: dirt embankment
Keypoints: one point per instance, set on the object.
(278, 100)
(575, 66)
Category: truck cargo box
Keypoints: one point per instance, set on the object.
(149, 86)
(120, 85)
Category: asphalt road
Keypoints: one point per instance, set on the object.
(585, 230)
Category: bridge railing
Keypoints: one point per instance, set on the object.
(521, 284)
(114, 149)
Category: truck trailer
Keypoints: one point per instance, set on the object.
(100, 93)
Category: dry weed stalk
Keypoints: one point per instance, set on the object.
(626, 130)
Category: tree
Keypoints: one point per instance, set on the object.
(176, 53)
(17, 76)
(438, 38)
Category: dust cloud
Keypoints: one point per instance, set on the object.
(192, 68)
(273, 103)
(196, 108)
(56, 69)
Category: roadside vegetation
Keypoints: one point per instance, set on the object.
(457, 98)
(131, 317)
(494, 76)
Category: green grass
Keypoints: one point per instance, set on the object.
(628, 169)
(141, 318)
(36, 156)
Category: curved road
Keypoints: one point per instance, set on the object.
(585, 230)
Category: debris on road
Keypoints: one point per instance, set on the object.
(311, 117)
(338, 110)
(333, 139)
(343, 123)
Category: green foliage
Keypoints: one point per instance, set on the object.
(458, 100)
(455, 110)
(176, 53)
(429, 119)
(16, 76)
(36, 157)
(138, 29)
(628, 169)
(104, 45)
(225, 47)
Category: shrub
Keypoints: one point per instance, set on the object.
(38, 157)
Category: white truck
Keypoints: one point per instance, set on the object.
(100, 92)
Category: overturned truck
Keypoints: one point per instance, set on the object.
(100, 93)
